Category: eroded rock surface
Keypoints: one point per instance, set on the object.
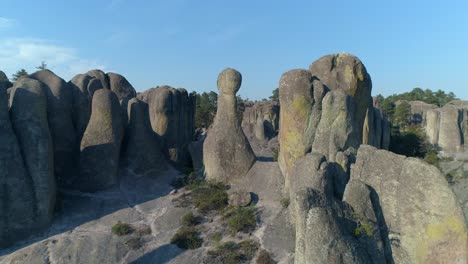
(425, 222)
(101, 143)
(28, 115)
(227, 153)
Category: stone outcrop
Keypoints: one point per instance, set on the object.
(447, 127)
(143, 152)
(4, 82)
(16, 198)
(172, 114)
(325, 226)
(425, 222)
(261, 119)
(418, 110)
(227, 153)
(60, 118)
(83, 86)
(101, 143)
(328, 109)
(28, 114)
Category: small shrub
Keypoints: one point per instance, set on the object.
(121, 229)
(432, 158)
(189, 181)
(187, 238)
(364, 226)
(285, 202)
(216, 237)
(189, 219)
(275, 154)
(211, 196)
(241, 219)
(264, 258)
(233, 253)
(133, 243)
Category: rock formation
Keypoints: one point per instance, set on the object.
(28, 114)
(261, 119)
(143, 152)
(425, 222)
(447, 127)
(172, 113)
(16, 198)
(325, 226)
(418, 110)
(227, 153)
(328, 109)
(60, 117)
(83, 86)
(100, 146)
(4, 82)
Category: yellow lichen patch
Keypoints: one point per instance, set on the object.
(360, 75)
(301, 109)
(450, 233)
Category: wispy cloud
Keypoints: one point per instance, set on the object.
(6, 23)
(226, 34)
(28, 53)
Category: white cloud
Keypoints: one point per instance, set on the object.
(6, 23)
(29, 53)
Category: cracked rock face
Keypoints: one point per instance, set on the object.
(227, 153)
(143, 152)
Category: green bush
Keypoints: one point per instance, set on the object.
(233, 253)
(189, 181)
(285, 202)
(216, 237)
(121, 229)
(210, 196)
(187, 238)
(189, 219)
(364, 226)
(241, 219)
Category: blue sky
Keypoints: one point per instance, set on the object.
(186, 43)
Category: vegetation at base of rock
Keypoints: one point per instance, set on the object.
(210, 196)
(189, 219)
(264, 257)
(187, 238)
(121, 229)
(189, 181)
(364, 226)
(233, 253)
(285, 202)
(275, 154)
(241, 219)
(216, 237)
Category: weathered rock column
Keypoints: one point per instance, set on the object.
(226, 152)
(100, 146)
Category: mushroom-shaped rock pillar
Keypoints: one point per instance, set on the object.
(227, 153)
